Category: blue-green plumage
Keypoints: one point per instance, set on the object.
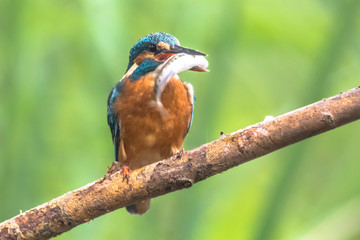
(112, 116)
(191, 97)
(148, 65)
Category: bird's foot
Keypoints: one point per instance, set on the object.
(180, 153)
(114, 167)
(126, 173)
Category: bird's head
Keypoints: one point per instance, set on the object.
(159, 46)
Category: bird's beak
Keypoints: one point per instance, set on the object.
(179, 49)
(165, 54)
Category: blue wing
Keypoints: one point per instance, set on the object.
(145, 67)
(191, 97)
(112, 117)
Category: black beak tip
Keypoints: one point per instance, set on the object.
(200, 53)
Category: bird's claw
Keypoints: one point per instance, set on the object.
(125, 170)
(126, 173)
(180, 153)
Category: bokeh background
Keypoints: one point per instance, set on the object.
(59, 59)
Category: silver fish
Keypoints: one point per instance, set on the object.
(175, 64)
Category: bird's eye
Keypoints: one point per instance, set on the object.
(152, 48)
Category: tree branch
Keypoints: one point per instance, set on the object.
(110, 193)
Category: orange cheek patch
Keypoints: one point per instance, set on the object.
(142, 57)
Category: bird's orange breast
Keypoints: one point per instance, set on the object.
(149, 133)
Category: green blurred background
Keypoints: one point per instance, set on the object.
(59, 59)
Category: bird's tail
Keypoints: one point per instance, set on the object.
(139, 208)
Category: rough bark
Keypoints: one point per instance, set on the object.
(109, 193)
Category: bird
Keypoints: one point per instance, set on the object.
(142, 134)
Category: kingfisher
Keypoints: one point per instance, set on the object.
(143, 133)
